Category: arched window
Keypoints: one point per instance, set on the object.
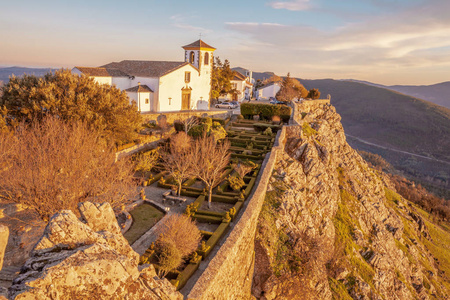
(206, 58)
(192, 57)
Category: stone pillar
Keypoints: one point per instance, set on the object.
(4, 234)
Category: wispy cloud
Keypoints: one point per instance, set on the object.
(415, 39)
(291, 5)
(180, 21)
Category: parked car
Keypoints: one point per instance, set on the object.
(271, 99)
(275, 101)
(235, 103)
(226, 104)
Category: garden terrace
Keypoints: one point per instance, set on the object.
(227, 200)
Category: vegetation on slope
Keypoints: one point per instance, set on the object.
(396, 121)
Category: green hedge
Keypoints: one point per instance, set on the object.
(223, 199)
(267, 111)
(207, 219)
(199, 201)
(246, 156)
(262, 127)
(210, 213)
(249, 187)
(155, 178)
(184, 276)
(190, 181)
(212, 241)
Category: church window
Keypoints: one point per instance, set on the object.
(192, 57)
(146, 100)
(206, 59)
(187, 77)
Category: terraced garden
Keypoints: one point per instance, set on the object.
(250, 142)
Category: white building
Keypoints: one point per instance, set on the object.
(159, 86)
(267, 91)
(243, 87)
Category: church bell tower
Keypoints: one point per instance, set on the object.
(200, 55)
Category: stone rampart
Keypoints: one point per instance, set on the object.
(229, 274)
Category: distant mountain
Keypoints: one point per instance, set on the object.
(393, 120)
(255, 75)
(437, 93)
(5, 73)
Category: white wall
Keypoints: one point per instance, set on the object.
(122, 83)
(267, 92)
(171, 87)
(140, 98)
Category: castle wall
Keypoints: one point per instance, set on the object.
(229, 274)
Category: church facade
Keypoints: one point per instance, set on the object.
(162, 86)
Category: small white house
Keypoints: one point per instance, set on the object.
(159, 86)
(267, 91)
(243, 87)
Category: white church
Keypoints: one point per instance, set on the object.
(160, 86)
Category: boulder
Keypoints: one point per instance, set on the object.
(76, 260)
(4, 234)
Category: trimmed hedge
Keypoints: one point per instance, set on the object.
(212, 241)
(262, 127)
(267, 111)
(184, 276)
(251, 157)
(249, 187)
(210, 213)
(223, 199)
(153, 179)
(207, 219)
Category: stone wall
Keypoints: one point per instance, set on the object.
(4, 234)
(173, 116)
(229, 274)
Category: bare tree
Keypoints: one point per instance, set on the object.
(211, 158)
(177, 158)
(189, 122)
(56, 165)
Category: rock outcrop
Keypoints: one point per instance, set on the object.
(4, 234)
(87, 260)
(333, 227)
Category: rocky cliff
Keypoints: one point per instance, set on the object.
(332, 228)
(88, 259)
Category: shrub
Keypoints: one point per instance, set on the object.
(180, 231)
(236, 182)
(268, 131)
(145, 161)
(169, 257)
(267, 111)
(307, 130)
(240, 117)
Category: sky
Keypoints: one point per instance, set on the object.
(382, 41)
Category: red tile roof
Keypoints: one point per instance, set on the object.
(140, 89)
(144, 68)
(199, 44)
(238, 76)
(102, 72)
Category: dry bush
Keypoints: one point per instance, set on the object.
(169, 258)
(145, 162)
(180, 231)
(56, 165)
(212, 157)
(180, 142)
(243, 169)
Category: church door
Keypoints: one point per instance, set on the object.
(186, 100)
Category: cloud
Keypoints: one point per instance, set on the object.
(295, 5)
(413, 38)
(179, 21)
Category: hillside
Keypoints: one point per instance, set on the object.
(436, 93)
(397, 121)
(5, 73)
(333, 228)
